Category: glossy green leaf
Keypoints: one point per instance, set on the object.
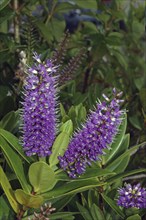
(134, 217)
(59, 147)
(123, 148)
(84, 212)
(89, 174)
(125, 174)
(41, 177)
(113, 205)
(28, 200)
(4, 3)
(15, 162)
(67, 127)
(95, 172)
(122, 166)
(113, 165)
(124, 145)
(72, 187)
(117, 142)
(8, 191)
(14, 142)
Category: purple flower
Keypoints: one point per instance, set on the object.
(39, 108)
(132, 196)
(96, 135)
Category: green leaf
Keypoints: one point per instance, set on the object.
(124, 146)
(139, 83)
(6, 14)
(142, 95)
(125, 174)
(135, 121)
(72, 112)
(5, 209)
(4, 3)
(9, 121)
(132, 211)
(28, 200)
(14, 142)
(62, 202)
(72, 187)
(62, 110)
(96, 212)
(57, 27)
(45, 30)
(122, 166)
(15, 162)
(89, 174)
(82, 113)
(8, 191)
(41, 177)
(62, 215)
(59, 147)
(113, 165)
(114, 38)
(67, 127)
(121, 58)
(117, 142)
(84, 212)
(95, 172)
(113, 205)
(93, 197)
(134, 217)
(92, 4)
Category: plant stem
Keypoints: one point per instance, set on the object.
(16, 22)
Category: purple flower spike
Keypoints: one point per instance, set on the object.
(96, 135)
(39, 108)
(132, 196)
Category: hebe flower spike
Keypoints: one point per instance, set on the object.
(132, 196)
(39, 108)
(97, 134)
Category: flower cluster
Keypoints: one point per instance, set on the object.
(97, 134)
(132, 196)
(44, 212)
(39, 108)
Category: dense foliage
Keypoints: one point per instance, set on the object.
(63, 104)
